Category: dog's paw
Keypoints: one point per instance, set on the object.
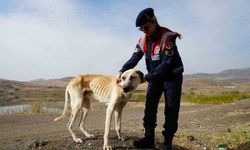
(106, 147)
(122, 138)
(78, 140)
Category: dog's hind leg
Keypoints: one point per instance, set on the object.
(70, 123)
(82, 123)
(76, 104)
(85, 109)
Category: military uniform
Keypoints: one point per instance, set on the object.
(165, 68)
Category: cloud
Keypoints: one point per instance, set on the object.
(47, 40)
(214, 34)
(51, 39)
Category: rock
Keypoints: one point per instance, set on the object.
(36, 143)
(197, 145)
(43, 143)
(190, 137)
(205, 148)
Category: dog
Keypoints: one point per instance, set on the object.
(83, 88)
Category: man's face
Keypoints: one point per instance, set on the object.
(148, 28)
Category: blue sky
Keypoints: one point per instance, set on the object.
(53, 39)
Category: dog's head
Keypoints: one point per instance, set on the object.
(130, 79)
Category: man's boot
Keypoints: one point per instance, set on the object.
(148, 141)
(167, 144)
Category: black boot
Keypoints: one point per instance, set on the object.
(167, 144)
(148, 141)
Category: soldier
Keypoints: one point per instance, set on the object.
(165, 68)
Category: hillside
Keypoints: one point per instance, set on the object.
(62, 82)
(224, 81)
(226, 74)
(227, 80)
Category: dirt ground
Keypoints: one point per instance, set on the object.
(26, 131)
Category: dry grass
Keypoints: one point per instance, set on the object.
(238, 138)
(227, 97)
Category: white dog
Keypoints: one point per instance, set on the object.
(82, 88)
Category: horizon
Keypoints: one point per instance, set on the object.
(52, 39)
(58, 78)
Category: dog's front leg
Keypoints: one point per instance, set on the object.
(109, 113)
(118, 115)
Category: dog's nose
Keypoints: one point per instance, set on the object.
(126, 89)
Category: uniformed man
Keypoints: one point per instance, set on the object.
(165, 68)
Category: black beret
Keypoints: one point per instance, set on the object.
(144, 16)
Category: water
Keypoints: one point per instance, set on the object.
(5, 110)
(26, 108)
(51, 110)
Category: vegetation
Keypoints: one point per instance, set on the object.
(226, 97)
(238, 138)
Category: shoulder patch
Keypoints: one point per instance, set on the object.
(137, 48)
(170, 45)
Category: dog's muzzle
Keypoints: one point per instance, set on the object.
(127, 89)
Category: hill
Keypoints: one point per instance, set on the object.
(226, 74)
(62, 82)
(224, 81)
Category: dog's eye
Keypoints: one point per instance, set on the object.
(123, 78)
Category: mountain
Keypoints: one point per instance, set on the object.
(224, 81)
(226, 74)
(61, 82)
(227, 80)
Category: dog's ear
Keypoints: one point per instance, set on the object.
(141, 75)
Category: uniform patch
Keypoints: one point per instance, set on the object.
(137, 49)
(170, 45)
(157, 50)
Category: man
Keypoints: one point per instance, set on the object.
(165, 68)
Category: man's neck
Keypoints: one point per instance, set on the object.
(156, 34)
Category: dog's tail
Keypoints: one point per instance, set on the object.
(66, 106)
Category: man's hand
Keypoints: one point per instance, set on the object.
(118, 77)
(147, 78)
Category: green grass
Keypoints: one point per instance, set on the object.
(227, 97)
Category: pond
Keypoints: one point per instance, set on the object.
(27, 108)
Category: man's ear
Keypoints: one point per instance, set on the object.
(141, 75)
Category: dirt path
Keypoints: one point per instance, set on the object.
(24, 131)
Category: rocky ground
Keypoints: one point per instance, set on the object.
(196, 124)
